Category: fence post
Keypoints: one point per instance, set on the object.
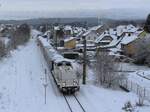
(137, 89)
(131, 85)
(126, 84)
(120, 82)
(144, 93)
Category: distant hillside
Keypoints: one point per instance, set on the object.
(73, 21)
(90, 21)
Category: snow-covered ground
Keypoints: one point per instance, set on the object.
(139, 74)
(21, 83)
(21, 87)
(133, 67)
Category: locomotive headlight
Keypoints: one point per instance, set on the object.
(74, 83)
(63, 84)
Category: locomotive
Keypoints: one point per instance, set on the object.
(62, 69)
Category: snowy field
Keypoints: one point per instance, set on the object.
(139, 74)
(21, 87)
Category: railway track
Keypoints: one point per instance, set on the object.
(72, 101)
(74, 104)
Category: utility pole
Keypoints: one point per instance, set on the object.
(98, 20)
(84, 61)
(56, 40)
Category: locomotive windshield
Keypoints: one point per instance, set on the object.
(64, 63)
(68, 64)
(59, 64)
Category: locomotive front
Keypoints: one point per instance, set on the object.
(68, 80)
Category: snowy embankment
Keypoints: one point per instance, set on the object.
(21, 83)
(21, 87)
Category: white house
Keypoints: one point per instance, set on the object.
(92, 34)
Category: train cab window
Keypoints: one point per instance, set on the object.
(59, 64)
(68, 64)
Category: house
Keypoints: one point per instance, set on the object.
(70, 43)
(121, 39)
(129, 42)
(104, 39)
(58, 35)
(90, 36)
(68, 31)
(93, 33)
(78, 32)
(108, 40)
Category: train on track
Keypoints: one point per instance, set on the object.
(61, 68)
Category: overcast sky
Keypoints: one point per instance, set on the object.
(9, 6)
(56, 5)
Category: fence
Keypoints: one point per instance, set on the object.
(136, 88)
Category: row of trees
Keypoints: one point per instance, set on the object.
(21, 35)
(17, 36)
(2, 49)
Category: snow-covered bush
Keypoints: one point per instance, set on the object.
(128, 107)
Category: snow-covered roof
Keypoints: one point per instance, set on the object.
(120, 29)
(128, 39)
(104, 35)
(87, 32)
(131, 28)
(52, 53)
(67, 27)
(105, 41)
(47, 32)
(87, 45)
(113, 43)
(92, 29)
(126, 28)
(99, 38)
(112, 31)
(68, 39)
(44, 41)
(56, 28)
(96, 27)
(80, 33)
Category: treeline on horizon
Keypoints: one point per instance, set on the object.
(74, 21)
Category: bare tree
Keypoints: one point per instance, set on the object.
(106, 70)
(2, 49)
